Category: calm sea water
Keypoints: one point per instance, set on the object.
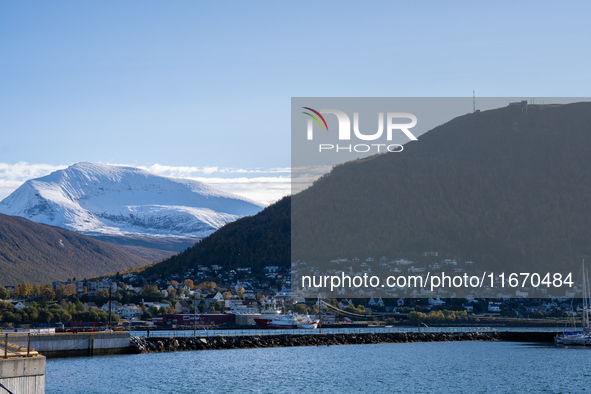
(436, 367)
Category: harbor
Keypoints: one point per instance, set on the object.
(419, 367)
(24, 355)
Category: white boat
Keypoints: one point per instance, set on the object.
(274, 319)
(307, 322)
(578, 340)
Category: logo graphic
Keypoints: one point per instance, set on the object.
(345, 124)
(315, 118)
(345, 130)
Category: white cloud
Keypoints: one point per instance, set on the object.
(266, 185)
(14, 175)
(187, 172)
(250, 183)
(264, 189)
(26, 170)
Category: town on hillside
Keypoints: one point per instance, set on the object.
(212, 295)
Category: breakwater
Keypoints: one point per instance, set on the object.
(149, 345)
(103, 343)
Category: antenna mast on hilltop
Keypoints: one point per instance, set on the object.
(473, 101)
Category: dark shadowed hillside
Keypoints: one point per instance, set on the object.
(36, 254)
(505, 186)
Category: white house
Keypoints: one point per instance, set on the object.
(130, 311)
(213, 298)
(376, 302)
(115, 307)
(21, 305)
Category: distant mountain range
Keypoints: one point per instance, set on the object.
(37, 254)
(146, 214)
(97, 199)
(505, 187)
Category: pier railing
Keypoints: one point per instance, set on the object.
(16, 345)
(319, 331)
(323, 331)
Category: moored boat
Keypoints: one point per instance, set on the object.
(307, 322)
(280, 321)
(579, 340)
(274, 319)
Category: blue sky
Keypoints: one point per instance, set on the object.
(208, 84)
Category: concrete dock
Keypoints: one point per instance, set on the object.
(81, 344)
(74, 344)
(23, 374)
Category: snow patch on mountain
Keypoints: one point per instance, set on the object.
(103, 199)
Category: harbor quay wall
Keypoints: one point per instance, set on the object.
(149, 345)
(23, 374)
(81, 344)
(103, 343)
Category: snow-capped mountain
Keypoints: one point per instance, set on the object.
(99, 199)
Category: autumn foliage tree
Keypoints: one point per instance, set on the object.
(60, 291)
(21, 291)
(71, 290)
(47, 292)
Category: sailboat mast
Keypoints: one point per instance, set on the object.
(587, 295)
(585, 317)
(585, 298)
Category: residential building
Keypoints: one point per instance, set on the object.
(130, 311)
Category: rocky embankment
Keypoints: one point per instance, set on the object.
(149, 345)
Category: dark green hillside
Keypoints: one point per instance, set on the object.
(252, 241)
(32, 253)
